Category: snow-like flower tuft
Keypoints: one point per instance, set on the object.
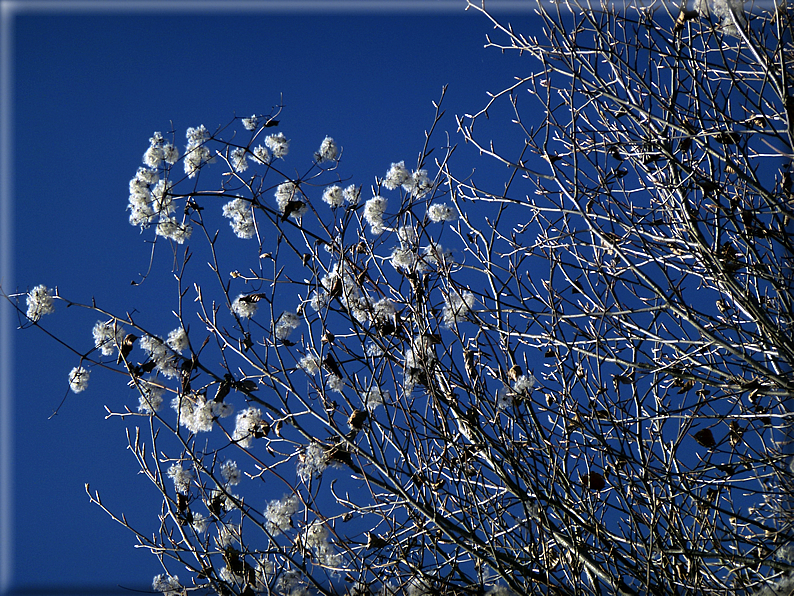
(328, 151)
(278, 514)
(352, 194)
(107, 336)
(439, 212)
(310, 363)
(39, 301)
(286, 324)
(238, 159)
(278, 144)
(239, 211)
(196, 153)
(251, 123)
(261, 155)
(396, 176)
(167, 584)
(376, 397)
(334, 196)
(151, 398)
(456, 305)
(288, 201)
(78, 379)
(373, 213)
(244, 307)
(524, 384)
(315, 536)
(197, 414)
(248, 426)
(312, 462)
(230, 472)
(170, 228)
(182, 478)
(177, 340)
(161, 354)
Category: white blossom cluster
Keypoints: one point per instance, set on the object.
(334, 196)
(159, 151)
(341, 281)
(239, 211)
(315, 537)
(169, 227)
(78, 379)
(197, 414)
(418, 359)
(312, 462)
(230, 472)
(436, 255)
(251, 123)
(278, 144)
(140, 203)
(417, 183)
(408, 257)
(177, 340)
(150, 399)
(151, 200)
(328, 151)
(200, 523)
(290, 584)
(439, 212)
(167, 584)
(227, 534)
(161, 354)
(288, 202)
(196, 152)
(405, 256)
(260, 155)
(286, 324)
(244, 307)
(39, 302)
(278, 514)
(248, 425)
(373, 213)
(310, 363)
(524, 384)
(456, 306)
(352, 194)
(375, 397)
(107, 336)
(383, 310)
(238, 159)
(182, 478)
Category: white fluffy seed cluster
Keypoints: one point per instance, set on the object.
(286, 324)
(248, 425)
(243, 307)
(312, 462)
(328, 151)
(78, 379)
(456, 306)
(241, 216)
(107, 336)
(182, 478)
(197, 414)
(39, 302)
(278, 514)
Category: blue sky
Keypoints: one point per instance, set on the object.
(85, 86)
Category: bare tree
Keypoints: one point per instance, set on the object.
(573, 382)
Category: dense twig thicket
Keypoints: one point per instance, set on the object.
(573, 381)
